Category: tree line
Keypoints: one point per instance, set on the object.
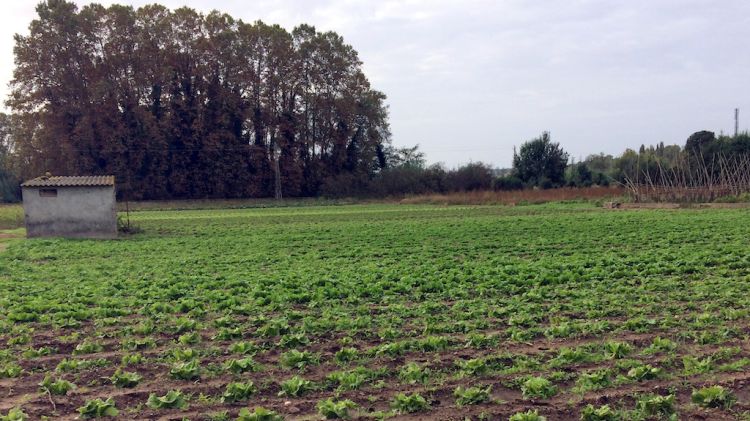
(177, 104)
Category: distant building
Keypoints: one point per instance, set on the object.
(61, 206)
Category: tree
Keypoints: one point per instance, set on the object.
(8, 181)
(178, 104)
(540, 162)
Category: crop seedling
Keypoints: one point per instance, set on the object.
(87, 347)
(218, 416)
(173, 399)
(644, 372)
(56, 387)
(191, 338)
(238, 392)
(98, 408)
(617, 350)
(183, 354)
(593, 381)
(243, 347)
(295, 387)
(713, 397)
(125, 378)
(10, 371)
(413, 373)
(530, 415)
(347, 380)
(407, 404)
(473, 367)
(210, 294)
(602, 413)
(538, 387)
(14, 414)
(186, 371)
(298, 359)
(694, 365)
(333, 409)
(295, 340)
(241, 365)
(345, 355)
(660, 344)
(472, 395)
(132, 359)
(258, 414)
(657, 406)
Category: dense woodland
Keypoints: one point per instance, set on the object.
(182, 105)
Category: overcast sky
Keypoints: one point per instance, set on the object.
(469, 79)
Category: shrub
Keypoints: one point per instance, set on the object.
(472, 176)
(509, 182)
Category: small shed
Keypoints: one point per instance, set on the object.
(70, 206)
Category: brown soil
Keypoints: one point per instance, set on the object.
(94, 383)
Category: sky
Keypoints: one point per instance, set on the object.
(468, 80)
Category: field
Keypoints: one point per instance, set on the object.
(379, 311)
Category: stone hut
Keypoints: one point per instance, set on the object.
(70, 206)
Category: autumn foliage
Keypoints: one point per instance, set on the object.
(178, 104)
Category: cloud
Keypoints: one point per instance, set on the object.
(467, 80)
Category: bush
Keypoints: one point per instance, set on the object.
(343, 185)
(407, 180)
(472, 176)
(509, 182)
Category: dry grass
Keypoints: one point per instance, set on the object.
(517, 196)
(201, 204)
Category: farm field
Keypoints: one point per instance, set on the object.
(380, 311)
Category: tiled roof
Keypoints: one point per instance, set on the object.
(71, 181)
